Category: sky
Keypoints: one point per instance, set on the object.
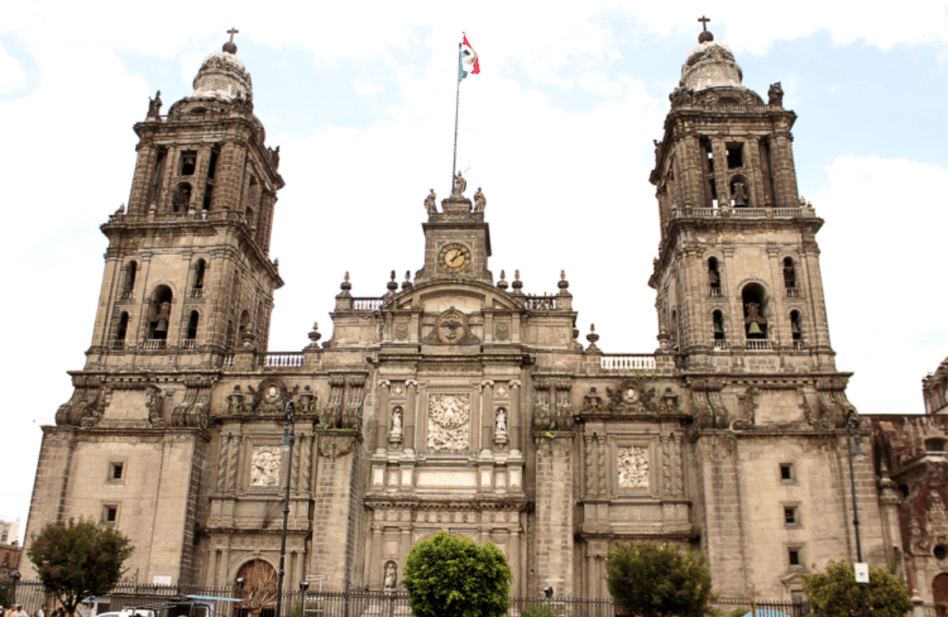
(557, 129)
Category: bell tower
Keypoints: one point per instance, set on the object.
(738, 275)
(188, 276)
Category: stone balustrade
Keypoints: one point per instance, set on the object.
(366, 304)
(544, 303)
(283, 359)
(743, 213)
(627, 362)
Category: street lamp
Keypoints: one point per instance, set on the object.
(852, 425)
(304, 586)
(289, 438)
(15, 575)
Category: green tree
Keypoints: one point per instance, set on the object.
(452, 576)
(75, 560)
(650, 580)
(835, 593)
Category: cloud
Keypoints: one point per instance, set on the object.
(883, 255)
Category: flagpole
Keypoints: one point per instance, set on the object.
(457, 105)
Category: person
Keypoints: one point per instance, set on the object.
(19, 612)
(41, 612)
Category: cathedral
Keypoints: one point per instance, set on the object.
(454, 400)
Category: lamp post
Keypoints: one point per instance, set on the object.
(304, 586)
(289, 438)
(15, 576)
(852, 425)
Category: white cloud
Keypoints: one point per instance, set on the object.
(12, 75)
(883, 255)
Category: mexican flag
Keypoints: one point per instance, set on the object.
(467, 60)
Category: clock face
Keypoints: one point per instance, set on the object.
(455, 257)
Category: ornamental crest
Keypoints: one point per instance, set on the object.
(632, 465)
(451, 327)
(449, 422)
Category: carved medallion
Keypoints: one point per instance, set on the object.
(451, 327)
(401, 332)
(502, 331)
(265, 466)
(449, 418)
(632, 465)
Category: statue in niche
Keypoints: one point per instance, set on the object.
(460, 185)
(388, 583)
(740, 194)
(775, 95)
(500, 426)
(274, 156)
(430, 203)
(154, 106)
(395, 436)
(479, 201)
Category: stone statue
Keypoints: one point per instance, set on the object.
(501, 426)
(274, 156)
(740, 194)
(479, 201)
(397, 421)
(460, 185)
(154, 106)
(389, 582)
(775, 95)
(430, 202)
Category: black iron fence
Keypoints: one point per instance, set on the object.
(233, 602)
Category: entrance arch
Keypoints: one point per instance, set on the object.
(259, 591)
(940, 594)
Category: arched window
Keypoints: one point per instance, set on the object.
(131, 270)
(197, 289)
(717, 319)
(120, 331)
(755, 324)
(159, 317)
(790, 277)
(191, 338)
(740, 198)
(796, 330)
(714, 276)
(181, 200)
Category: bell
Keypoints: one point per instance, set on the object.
(754, 328)
(161, 327)
(795, 328)
(719, 329)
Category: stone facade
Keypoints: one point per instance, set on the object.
(456, 401)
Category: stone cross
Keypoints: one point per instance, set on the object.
(704, 24)
(232, 32)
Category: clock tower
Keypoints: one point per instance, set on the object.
(457, 239)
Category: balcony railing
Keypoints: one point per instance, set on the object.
(545, 303)
(366, 304)
(716, 213)
(197, 292)
(720, 345)
(118, 345)
(283, 359)
(716, 292)
(153, 344)
(799, 345)
(793, 292)
(189, 343)
(760, 345)
(627, 362)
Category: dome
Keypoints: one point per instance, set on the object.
(223, 77)
(711, 65)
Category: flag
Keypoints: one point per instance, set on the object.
(467, 60)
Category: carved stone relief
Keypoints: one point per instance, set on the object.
(632, 466)
(265, 466)
(449, 422)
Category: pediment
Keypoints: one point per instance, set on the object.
(467, 297)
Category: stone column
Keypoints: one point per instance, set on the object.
(487, 414)
(306, 464)
(382, 417)
(554, 513)
(375, 558)
(222, 462)
(234, 460)
(513, 418)
(414, 397)
(514, 559)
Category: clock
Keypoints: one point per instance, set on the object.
(455, 257)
